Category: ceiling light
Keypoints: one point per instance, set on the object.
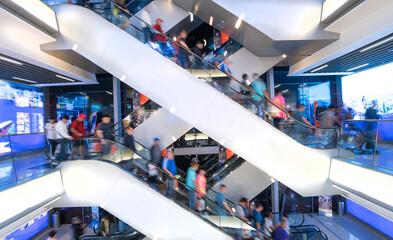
(222, 141)
(376, 44)
(225, 53)
(173, 138)
(172, 110)
(211, 20)
(191, 17)
(123, 77)
(273, 180)
(25, 80)
(284, 56)
(65, 78)
(204, 42)
(174, 39)
(109, 92)
(284, 91)
(75, 47)
(10, 60)
(239, 20)
(317, 69)
(358, 67)
(277, 86)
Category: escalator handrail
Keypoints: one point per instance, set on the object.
(95, 228)
(213, 66)
(167, 176)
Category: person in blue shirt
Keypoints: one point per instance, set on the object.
(222, 202)
(169, 166)
(260, 89)
(257, 213)
(190, 182)
(280, 232)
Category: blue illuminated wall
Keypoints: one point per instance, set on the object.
(371, 218)
(31, 229)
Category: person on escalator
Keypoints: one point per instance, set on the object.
(183, 53)
(159, 36)
(260, 89)
(268, 227)
(77, 128)
(198, 50)
(280, 233)
(155, 152)
(223, 206)
(169, 166)
(120, 12)
(105, 132)
(243, 213)
(191, 182)
(201, 189)
(104, 226)
(128, 139)
(61, 136)
(277, 114)
(257, 214)
(146, 24)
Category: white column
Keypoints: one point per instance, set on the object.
(275, 202)
(270, 83)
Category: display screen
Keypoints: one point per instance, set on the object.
(361, 89)
(22, 109)
(30, 229)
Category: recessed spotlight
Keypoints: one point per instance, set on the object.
(123, 77)
(191, 17)
(225, 53)
(65, 78)
(173, 138)
(284, 56)
(239, 20)
(109, 92)
(75, 47)
(273, 180)
(211, 21)
(10, 60)
(24, 80)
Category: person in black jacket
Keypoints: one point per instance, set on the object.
(129, 138)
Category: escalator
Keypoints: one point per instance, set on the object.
(291, 154)
(127, 190)
(127, 234)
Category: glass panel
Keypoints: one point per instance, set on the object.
(7, 168)
(383, 153)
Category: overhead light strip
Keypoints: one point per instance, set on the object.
(317, 69)
(376, 44)
(358, 67)
(24, 80)
(191, 17)
(239, 20)
(11, 61)
(65, 78)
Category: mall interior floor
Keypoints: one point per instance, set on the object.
(64, 232)
(345, 228)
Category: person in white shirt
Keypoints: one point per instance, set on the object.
(62, 135)
(50, 134)
(268, 227)
(146, 24)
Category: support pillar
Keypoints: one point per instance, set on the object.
(275, 202)
(116, 101)
(270, 83)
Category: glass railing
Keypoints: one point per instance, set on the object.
(157, 179)
(137, 116)
(224, 82)
(310, 232)
(219, 172)
(376, 148)
(21, 157)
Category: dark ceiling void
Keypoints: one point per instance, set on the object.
(375, 54)
(22, 72)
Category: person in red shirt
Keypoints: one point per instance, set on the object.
(77, 130)
(159, 36)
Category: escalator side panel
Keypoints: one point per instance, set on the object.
(197, 103)
(97, 183)
(162, 125)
